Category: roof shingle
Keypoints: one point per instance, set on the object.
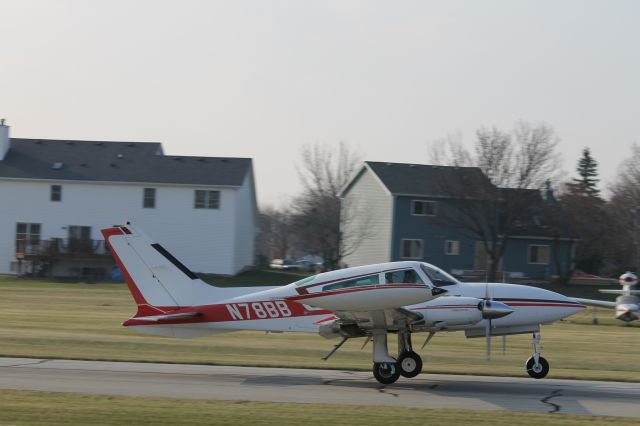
(140, 162)
(425, 180)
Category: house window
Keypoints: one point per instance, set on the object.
(538, 254)
(207, 199)
(27, 238)
(412, 249)
(56, 192)
(423, 208)
(149, 198)
(452, 248)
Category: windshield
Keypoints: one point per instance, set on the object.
(437, 276)
(304, 281)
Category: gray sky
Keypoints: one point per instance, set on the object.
(261, 78)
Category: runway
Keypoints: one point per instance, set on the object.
(321, 386)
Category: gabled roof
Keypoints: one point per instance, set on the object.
(117, 162)
(425, 180)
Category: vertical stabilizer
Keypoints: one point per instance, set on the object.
(154, 276)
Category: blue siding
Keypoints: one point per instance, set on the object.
(516, 257)
(434, 233)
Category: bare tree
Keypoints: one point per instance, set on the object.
(515, 166)
(275, 238)
(317, 214)
(624, 208)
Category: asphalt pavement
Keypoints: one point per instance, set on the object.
(321, 386)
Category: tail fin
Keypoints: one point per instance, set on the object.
(156, 279)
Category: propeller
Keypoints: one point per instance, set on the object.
(492, 310)
(487, 330)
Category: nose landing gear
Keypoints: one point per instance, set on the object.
(536, 366)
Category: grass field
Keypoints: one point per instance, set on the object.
(80, 321)
(46, 408)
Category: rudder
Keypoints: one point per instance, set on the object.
(156, 279)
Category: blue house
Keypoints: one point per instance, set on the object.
(394, 211)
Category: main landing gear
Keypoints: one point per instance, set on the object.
(537, 367)
(409, 362)
(386, 369)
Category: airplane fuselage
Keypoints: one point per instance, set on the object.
(284, 309)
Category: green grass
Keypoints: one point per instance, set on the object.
(80, 321)
(47, 408)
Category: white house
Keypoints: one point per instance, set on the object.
(56, 195)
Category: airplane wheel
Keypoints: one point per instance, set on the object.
(410, 364)
(537, 371)
(386, 372)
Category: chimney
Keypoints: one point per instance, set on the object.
(5, 143)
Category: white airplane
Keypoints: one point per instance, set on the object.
(366, 301)
(627, 305)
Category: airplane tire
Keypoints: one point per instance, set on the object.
(386, 372)
(410, 364)
(539, 371)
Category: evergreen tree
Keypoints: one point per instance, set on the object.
(588, 171)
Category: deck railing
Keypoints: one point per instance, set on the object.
(61, 247)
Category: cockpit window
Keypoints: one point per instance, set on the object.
(404, 276)
(437, 276)
(361, 281)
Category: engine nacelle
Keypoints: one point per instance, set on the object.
(452, 311)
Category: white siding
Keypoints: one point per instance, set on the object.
(203, 239)
(246, 223)
(374, 207)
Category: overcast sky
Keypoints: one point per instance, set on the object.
(261, 78)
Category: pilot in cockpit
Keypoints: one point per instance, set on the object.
(409, 276)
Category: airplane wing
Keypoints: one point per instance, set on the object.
(156, 318)
(379, 319)
(596, 303)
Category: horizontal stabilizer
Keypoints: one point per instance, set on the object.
(156, 318)
(624, 292)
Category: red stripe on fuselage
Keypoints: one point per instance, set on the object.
(243, 311)
(564, 305)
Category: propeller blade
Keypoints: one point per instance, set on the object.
(488, 337)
